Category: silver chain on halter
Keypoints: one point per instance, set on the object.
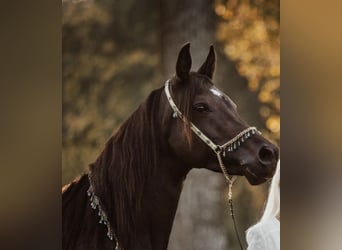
(220, 150)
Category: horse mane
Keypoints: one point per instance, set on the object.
(130, 158)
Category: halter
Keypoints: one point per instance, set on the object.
(230, 146)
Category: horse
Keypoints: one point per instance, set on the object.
(128, 198)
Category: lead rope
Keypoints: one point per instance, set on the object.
(230, 181)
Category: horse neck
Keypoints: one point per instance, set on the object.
(138, 181)
(159, 204)
(161, 200)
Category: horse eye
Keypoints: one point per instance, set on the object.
(201, 107)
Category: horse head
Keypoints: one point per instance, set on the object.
(202, 109)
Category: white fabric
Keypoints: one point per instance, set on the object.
(265, 235)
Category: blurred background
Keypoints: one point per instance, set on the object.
(115, 52)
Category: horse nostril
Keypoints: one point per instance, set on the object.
(266, 155)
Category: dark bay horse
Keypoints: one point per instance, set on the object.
(134, 186)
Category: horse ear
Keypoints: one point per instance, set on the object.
(208, 67)
(183, 62)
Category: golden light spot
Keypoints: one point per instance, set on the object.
(273, 123)
(220, 9)
(265, 96)
(274, 71)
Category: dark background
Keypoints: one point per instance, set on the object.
(31, 124)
